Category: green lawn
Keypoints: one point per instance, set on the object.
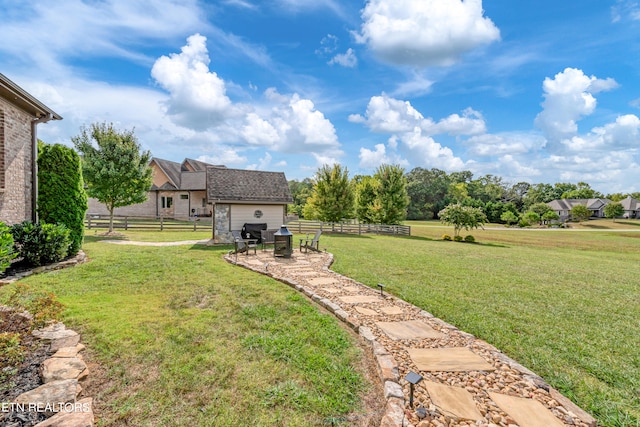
(565, 304)
(188, 339)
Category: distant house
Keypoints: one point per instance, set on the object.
(631, 207)
(563, 207)
(246, 196)
(179, 190)
(20, 113)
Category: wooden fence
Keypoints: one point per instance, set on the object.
(148, 223)
(204, 223)
(347, 228)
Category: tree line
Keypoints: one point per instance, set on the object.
(391, 196)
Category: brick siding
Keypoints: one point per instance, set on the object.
(15, 137)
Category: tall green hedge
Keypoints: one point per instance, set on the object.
(61, 195)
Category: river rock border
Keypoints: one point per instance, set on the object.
(396, 414)
(63, 376)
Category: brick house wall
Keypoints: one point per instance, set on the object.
(15, 164)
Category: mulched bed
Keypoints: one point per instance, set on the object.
(24, 377)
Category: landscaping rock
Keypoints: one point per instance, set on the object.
(81, 416)
(50, 395)
(58, 336)
(63, 368)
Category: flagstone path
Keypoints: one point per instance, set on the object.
(466, 381)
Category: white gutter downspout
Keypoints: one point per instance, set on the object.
(34, 164)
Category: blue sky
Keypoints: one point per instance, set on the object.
(536, 91)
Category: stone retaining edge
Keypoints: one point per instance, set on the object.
(80, 258)
(64, 385)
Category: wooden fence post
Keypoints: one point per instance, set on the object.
(126, 223)
(161, 223)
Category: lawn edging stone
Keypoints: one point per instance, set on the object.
(63, 375)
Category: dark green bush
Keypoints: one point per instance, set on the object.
(7, 250)
(457, 238)
(61, 195)
(469, 239)
(41, 243)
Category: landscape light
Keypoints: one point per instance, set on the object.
(413, 379)
(381, 286)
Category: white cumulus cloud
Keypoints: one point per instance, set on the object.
(426, 32)
(374, 158)
(347, 59)
(198, 97)
(568, 98)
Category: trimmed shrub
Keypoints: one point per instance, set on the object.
(446, 237)
(457, 238)
(61, 195)
(469, 239)
(7, 250)
(41, 243)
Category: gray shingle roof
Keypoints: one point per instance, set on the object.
(245, 186)
(21, 98)
(630, 204)
(180, 177)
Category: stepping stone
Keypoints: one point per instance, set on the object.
(454, 359)
(353, 288)
(392, 310)
(409, 329)
(366, 311)
(321, 281)
(453, 400)
(526, 412)
(304, 273)
(332, 290)
(358, 299)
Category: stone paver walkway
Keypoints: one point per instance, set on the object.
(466, 381)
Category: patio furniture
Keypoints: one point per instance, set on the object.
(267, 238)
(313, 244)
(243, 245)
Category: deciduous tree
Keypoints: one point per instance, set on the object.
(333, 195)
(580, 213)
(613, 210)
(391, 194)
(114, 167)
(460, 217)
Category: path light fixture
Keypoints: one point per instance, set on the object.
(381, 286)
(413, 379)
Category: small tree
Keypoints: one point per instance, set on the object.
(366, 191)
(550, 216)
(333, 196)
(460, 217)
(61, 195)
(509, 217)
(613, 210)
(531, 217)
(580, 213)
(391, 195)
(115, 169)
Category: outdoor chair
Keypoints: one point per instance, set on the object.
(243, 245)
(267, 238)
(313, 244)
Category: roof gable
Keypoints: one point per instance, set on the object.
(245, 186)
(23, 100)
